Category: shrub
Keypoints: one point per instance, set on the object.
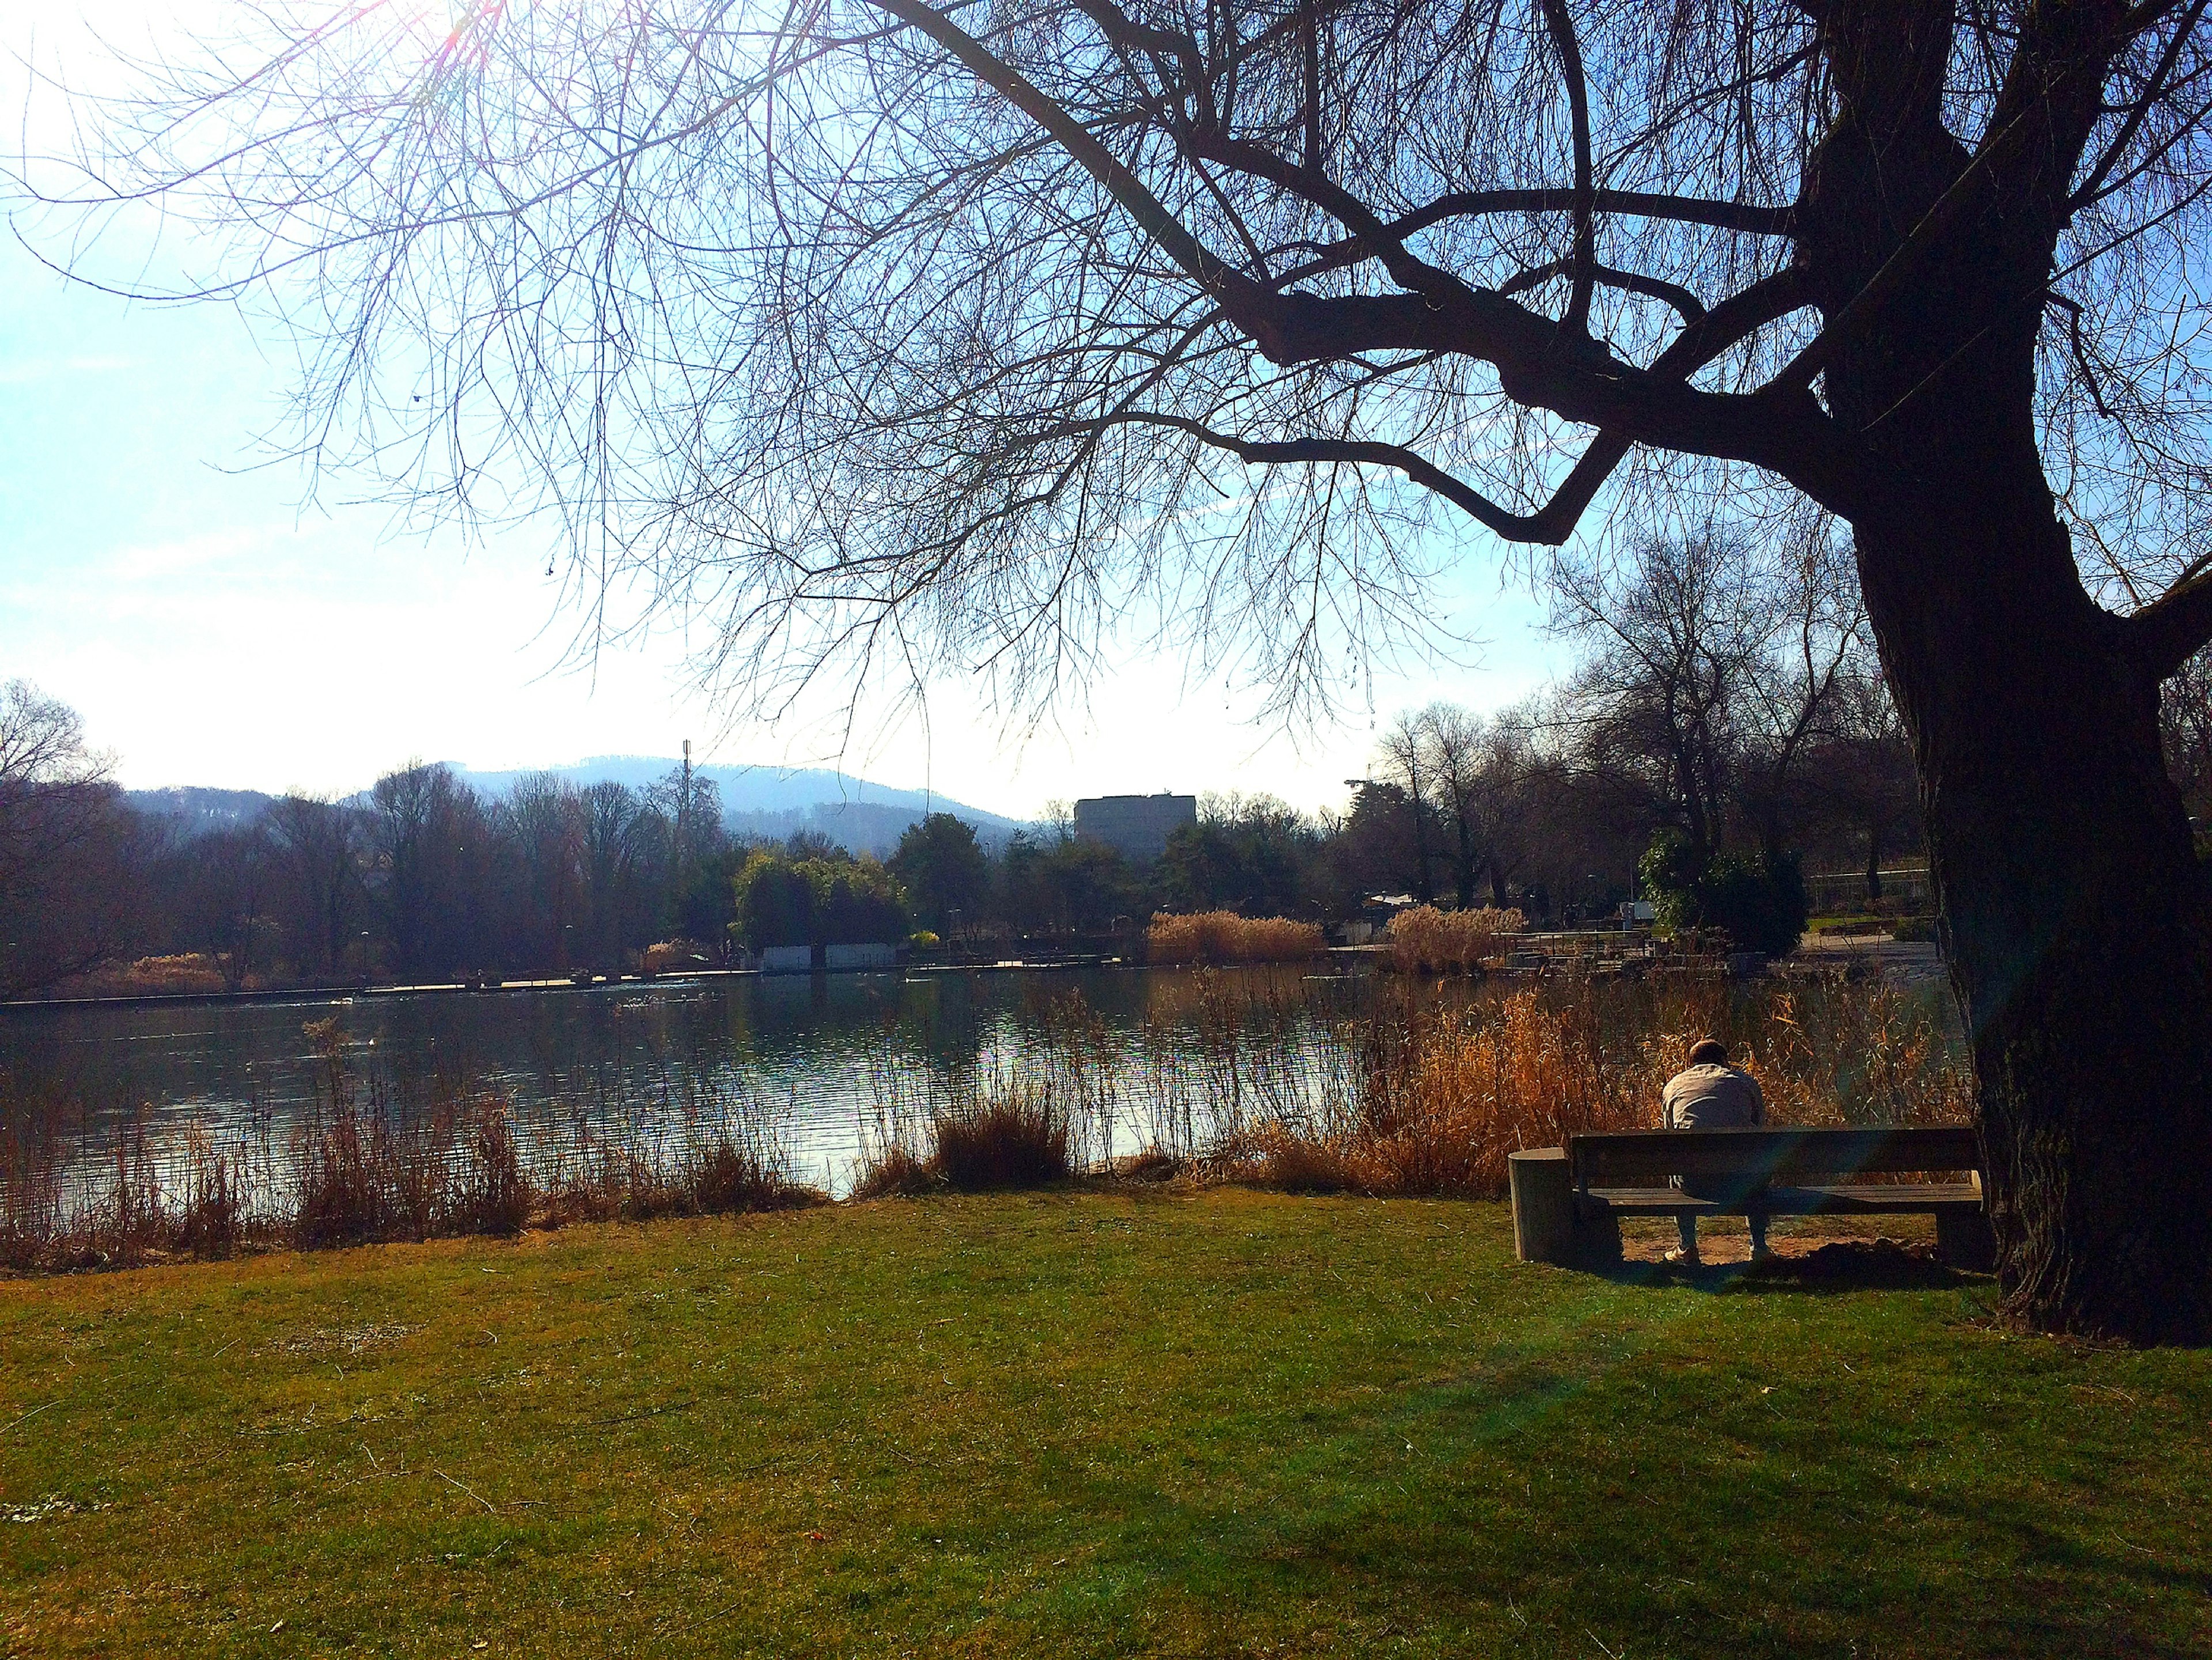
(1017, 1139)
(1223, 936)
(1441, 1096)
(494, 1194)
(818, 901)
(151, 977)
(1153, 1163)
(1761, 902)
(894, 1172)
(674, 956)
(1015, 1133)
(1426, 941)
(213, 1218)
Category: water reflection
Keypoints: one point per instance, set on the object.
(829, 1061)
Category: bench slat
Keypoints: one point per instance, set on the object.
(1898, 1198)
(1642, 1158)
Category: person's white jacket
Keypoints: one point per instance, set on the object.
(1712, 1098)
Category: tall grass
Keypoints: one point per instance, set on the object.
(360, 1165)
(1385, 1084)
(191, 972)
(1223, 936)
(1444, 1093)
(1426, 941)
(693, 1150)
(1018, 1135)
(1393, 1085)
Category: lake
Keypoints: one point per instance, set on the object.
(826, 1062)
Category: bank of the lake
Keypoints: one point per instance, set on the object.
(817, 1062)
(824, 1068)
(1228, 1423)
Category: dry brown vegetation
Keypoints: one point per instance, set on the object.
(1443, 1095)
(1272, 1077)
(1223, 936)
(191, 973)
(1015, 1135)
(1426, 941)
(362, 1166)
(676, 957)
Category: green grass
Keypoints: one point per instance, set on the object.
(1233, 1424)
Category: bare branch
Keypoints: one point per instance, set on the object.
(1584, 261)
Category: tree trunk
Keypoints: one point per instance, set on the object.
(2073, 912)
(1873, 861)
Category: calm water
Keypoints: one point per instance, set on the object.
(823, 1060)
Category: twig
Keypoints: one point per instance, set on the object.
(464, 1487)
(702, 1619)
(649, 1411)
(33, 1413)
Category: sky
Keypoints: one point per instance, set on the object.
(161, 573)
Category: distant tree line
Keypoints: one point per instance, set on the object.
(1724, 729)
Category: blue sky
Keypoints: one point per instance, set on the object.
(212, 630)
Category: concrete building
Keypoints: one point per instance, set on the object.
(1135, 826)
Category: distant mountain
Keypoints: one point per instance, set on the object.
(744, 789)
(859, 815)
(761, 801)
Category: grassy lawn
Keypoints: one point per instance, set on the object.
(1233, 1424)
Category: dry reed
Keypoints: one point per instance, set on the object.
(191, 973)
(1426, 941)
(1223, 936)
(1016, 1134)
(1396, 1084)
(1444, 1095)
(359, 1167)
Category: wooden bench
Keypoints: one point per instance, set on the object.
(1568, 1202)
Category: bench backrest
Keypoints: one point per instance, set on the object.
(1647, 1157)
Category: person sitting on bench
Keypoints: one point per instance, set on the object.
(1708, 1094)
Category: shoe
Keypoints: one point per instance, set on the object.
(1688, 1259)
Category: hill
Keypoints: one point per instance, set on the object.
(771, 802)
(857, 813)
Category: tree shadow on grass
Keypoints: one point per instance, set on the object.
(1841, 1265)
(1872, 1556)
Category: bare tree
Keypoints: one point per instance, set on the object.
(543, 820)
(1402, 758)
(2185, 712)
(1793, 699)
(63, 846)
(1453, 740)
(430, 843)
(317, 844)
(1481, 769)
(1865, 767)
(1677, 644)
(612, 845)
(907, 336)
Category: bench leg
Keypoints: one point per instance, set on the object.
(1543, 1206)
(1965, 1241)
(1597, 1239)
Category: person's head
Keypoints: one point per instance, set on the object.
(1709, 1052)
